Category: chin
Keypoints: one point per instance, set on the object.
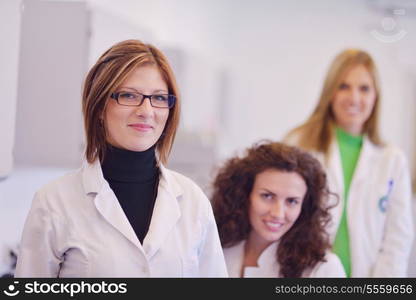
(141, 148)
(138, 147)
(272, 238)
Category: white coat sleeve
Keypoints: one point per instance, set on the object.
(37, 255)
(211, 256)
(332, 268)
(393, 257)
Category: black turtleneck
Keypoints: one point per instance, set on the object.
(134, 178)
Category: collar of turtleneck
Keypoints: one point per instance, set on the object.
(129, 166)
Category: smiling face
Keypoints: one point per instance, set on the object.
(137, 128)
(275, 204)
(354, 100)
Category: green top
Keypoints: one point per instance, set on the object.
(349, 148)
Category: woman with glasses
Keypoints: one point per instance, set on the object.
(372, 230)
(124, 214)
(271, 208)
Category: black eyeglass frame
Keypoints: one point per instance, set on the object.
(171, 99)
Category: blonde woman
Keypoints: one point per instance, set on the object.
(372, 227)
(123, 214)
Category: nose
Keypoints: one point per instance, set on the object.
(355, 96)
(277, 210)
(145, 110)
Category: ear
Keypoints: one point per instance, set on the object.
(101, 119)
(102, 115)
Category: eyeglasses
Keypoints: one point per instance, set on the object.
(136, 99)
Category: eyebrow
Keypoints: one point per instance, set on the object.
(268, 191)
(160, 92)
(290, 197)
(155, 91)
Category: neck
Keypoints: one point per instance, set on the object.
(129, 166)
(354, 131)
(254, 247)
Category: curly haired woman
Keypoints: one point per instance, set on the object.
(271, 211)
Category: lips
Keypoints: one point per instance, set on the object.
(352, 110)
(273, 226)
(141, 127)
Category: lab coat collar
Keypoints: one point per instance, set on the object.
(235, 258)
(366, 155)
(169, 182)
(106, 201)
(266, 263)
(268, 256)
(335, 165)
(92, 177)
(335, 171)
(166, 211)
(361, 170)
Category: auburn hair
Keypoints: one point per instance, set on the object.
(110, 70)
(304, 245)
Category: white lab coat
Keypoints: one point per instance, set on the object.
(379, 209)
(269, 267)
(77, 228)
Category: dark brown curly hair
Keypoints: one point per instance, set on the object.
(305, 244)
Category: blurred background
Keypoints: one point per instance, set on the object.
(247, 70)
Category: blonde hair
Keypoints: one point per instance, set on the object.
(317, 132)
(111, 69)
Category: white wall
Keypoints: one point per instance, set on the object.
(52, 61)
(107, 28)
(9, 44)
(412, 260)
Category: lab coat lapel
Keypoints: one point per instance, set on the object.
(106, 202)
(234, 257)
(361, 178)
(109, 207)
(166, 213)
(336, 185)
(361, 174)
(335, 167)
(364, 160)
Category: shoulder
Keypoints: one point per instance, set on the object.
(189, 194)
(233, 251)
(394, 152)
(61, 184)
(332, 260)
(182, 180)
(59, 189)
(181, 183)
(388, 148)
(388, 153)
(234, 256)
(292, 138)
(331, 267)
